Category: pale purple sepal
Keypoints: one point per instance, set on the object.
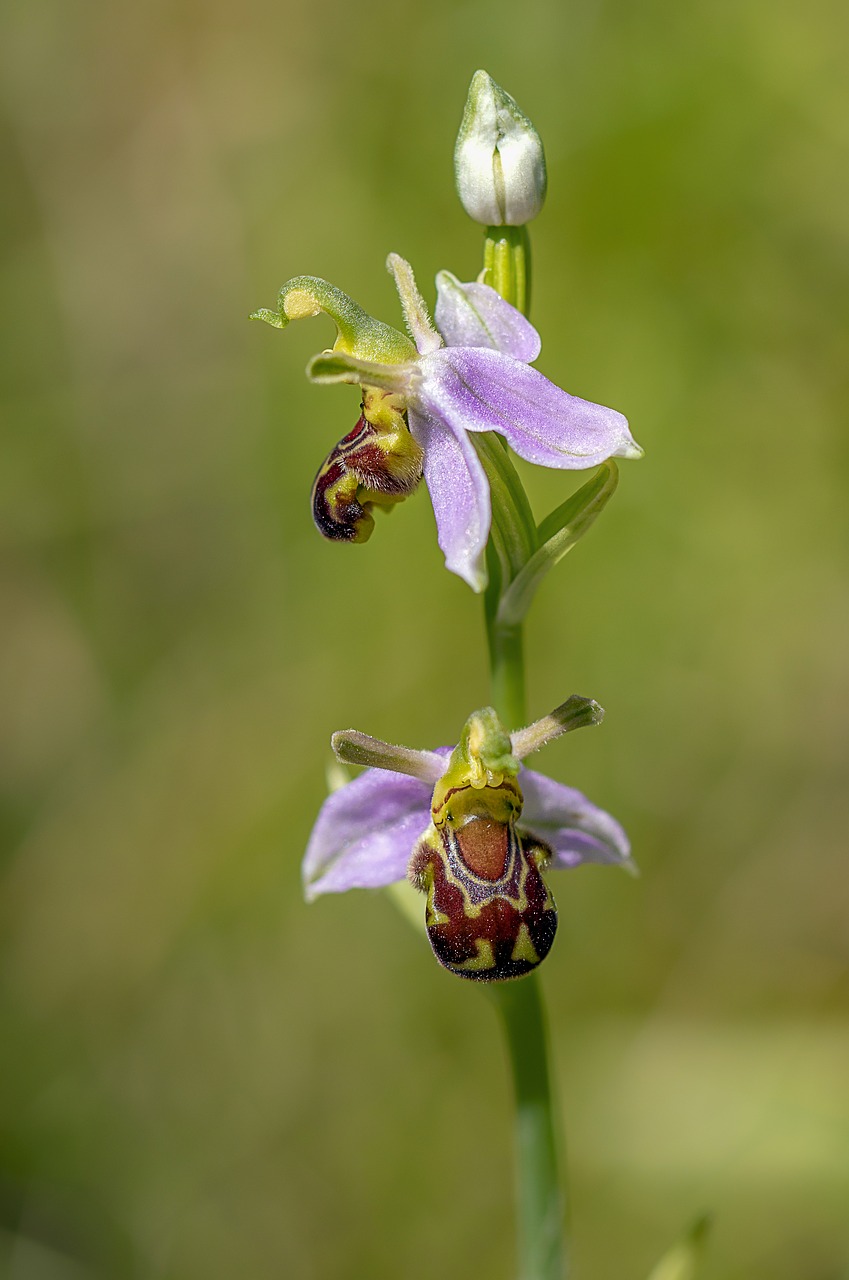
(459, 491)
(575, 830)
(479, 390)
(365, 832)
(474, 315)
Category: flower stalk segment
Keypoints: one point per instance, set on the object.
(507, 265)
(540, 1195)
(540, 1186)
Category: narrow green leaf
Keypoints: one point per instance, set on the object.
(557, 535)
(597, 490)
(513, 527)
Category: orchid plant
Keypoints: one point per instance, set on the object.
(470, 827)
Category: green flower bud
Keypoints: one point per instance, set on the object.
(499, 163)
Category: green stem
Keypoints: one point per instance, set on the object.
(539, 1197)
(539, 1200)
(507, 263)
(506, 257)
(507, 672)
(539, 1194)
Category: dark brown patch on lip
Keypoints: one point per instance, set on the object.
(457, 934)
(483, 846)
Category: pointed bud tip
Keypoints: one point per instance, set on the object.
(631, 450)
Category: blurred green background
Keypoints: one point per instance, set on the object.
(202, 1078)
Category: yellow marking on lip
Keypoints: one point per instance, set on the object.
(485, 958)
(524, 948)
(434, 915)
(497, 782)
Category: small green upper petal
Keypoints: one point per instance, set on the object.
(339, 366)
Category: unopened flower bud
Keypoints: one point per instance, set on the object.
(499, 163)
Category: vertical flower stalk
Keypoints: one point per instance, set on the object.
(540, 1188)
(501, 181)
(540, 1196)
(507, 264)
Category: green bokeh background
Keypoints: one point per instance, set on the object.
(202, 1078)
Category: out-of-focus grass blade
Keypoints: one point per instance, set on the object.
(682, 1260)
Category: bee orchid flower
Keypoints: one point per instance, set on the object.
(473, 830)
(424, 400)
